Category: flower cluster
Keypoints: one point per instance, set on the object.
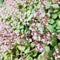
(30, 29)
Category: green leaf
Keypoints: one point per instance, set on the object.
(54, 41)
(34, 53)
(21, 27)
(52, 58)
(8, 56)
(21, 48)
(26, 44)
(54, 25)
(19, 5)
(57, 27)
(47, 49)
(41, 58)
(58, 31)
(54, 16)
(29, 58)
(28, 13)
(1, 56)
(32, 45)
(29, 18)
(27, 50)
(50, 28)
(47, 4)
(51, 21)
(58, 23)
(59, 15)
(1, 1)
(56, 10)
(55, 6)
(8, 18)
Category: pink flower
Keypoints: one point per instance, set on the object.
(38, 12)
